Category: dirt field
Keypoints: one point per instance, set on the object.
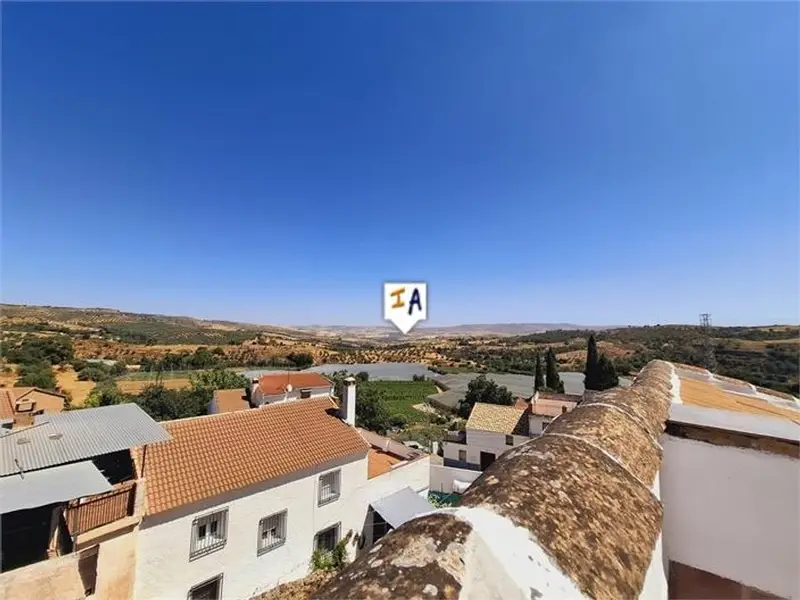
(67, 380)
(135, 387)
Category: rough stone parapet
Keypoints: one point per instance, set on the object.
(571, 513)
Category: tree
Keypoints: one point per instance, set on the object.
(538, 379)
(591, 373)
(607, 375)
(362, 377)
(552, 378)
(301, 360)
(218, 379)
(37, 375)
(106, 394)
(164, 405)
(371, 411)
(483, 390)
(94, 372)
(53, 350)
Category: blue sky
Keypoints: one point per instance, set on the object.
(594, 163)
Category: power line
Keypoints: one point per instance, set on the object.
(709, 359)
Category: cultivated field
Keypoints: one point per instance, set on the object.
(401, 396)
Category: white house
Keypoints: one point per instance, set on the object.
(493, 429)
(238, 502)
(289, 385)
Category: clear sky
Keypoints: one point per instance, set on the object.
(594, 163)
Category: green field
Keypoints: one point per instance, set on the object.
(401, 396)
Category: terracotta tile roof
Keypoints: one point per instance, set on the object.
(211, 455)
(230, 400)
(10, 396)
(552, 407)
(6, 404)
(584, 509)
(276, 384)
(497, 418)
(617, 434)
(646, 403)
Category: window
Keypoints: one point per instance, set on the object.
(271, 532)
(208, 590)
(327, 539)
(329, 487)
(563, 409)
(462, 456)
(209, 533)
(545, 423)
(305, 393)
(509, 440)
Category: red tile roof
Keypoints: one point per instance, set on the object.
(276, 384)
(211, 455)
(230, 400)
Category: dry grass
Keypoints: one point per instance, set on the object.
(67, 380)
(136, 387)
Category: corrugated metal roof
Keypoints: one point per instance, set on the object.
(58, 484)
(75, 435)
(401, 506)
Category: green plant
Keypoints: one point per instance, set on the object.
(334, 560)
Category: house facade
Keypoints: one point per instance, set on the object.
(237, 503)
(27, 402)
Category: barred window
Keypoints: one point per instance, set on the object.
(208, 590)
(326, 540)
(271, 532)
(329, 487)
(209, 533)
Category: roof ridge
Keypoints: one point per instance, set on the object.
(577, 438)
(238, 414)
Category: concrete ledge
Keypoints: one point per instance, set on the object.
(101, 534)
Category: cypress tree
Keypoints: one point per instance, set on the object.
(591, 379)
(538, 380)
(551, 376)
(607, 373)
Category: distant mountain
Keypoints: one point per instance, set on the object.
(422, 331)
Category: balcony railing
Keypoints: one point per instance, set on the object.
(458, 437)
(101, 509)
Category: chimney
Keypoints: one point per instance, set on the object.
(22, 420)
(347, 404)
(253, 389)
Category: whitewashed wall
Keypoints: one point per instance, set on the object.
(733, 512)
(442, 477)
(485, 441)
(655, 581)
(260, 398)
(165, 571)
(538, 423)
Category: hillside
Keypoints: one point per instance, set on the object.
(767, 356)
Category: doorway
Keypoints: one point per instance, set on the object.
(487, 458)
